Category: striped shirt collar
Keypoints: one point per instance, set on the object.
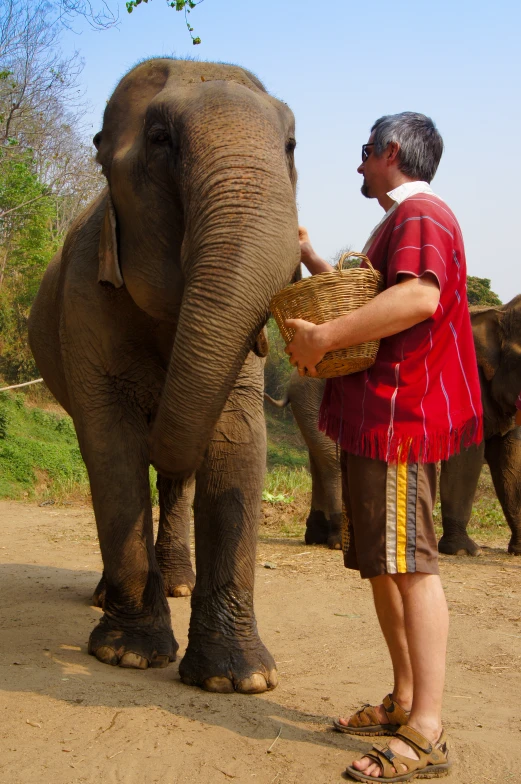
(398, 195)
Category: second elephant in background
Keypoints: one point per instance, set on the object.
(324, 522)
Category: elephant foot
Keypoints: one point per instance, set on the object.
(317, 528)
(126, 645)
(334, 539)
(178, 583)
(228, 668)
(98, 597)
(459, 544)
(514, 546)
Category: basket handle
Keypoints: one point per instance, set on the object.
(344, 256)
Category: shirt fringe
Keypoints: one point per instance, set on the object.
(400, 447)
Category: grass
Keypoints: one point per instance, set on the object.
(487, 522)
(40, 460)
(39, 453)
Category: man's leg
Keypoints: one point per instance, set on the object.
(389, 609)
(425, 625)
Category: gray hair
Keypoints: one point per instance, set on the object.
(420, 143)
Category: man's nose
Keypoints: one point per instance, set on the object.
(360, 169)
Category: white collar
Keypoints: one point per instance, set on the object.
(398, 195)
(403, 192)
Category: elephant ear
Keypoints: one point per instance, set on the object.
(109, 270)
(486, 326)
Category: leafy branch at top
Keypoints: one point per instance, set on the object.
(178, 5)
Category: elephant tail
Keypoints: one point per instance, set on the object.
(282, 403)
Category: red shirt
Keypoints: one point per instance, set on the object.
(421, 400)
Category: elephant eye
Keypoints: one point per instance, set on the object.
(291, 144)
(159, 136)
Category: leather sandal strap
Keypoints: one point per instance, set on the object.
(395, 712)
(383, 757)
(364, 717)
(414, 739)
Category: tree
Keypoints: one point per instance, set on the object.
(480, 293)
(178, 5)
(47, 173)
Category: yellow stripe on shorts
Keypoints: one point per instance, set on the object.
(401, 517)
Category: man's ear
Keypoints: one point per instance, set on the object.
(108, 269)
(393, 149)
(486, 328)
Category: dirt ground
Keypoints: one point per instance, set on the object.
(65, 717)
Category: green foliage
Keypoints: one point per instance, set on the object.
(480, 293)
(4, 419)
(26, 246)
(277, 369)
(177, 5)
(38, 453)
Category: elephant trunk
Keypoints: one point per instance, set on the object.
(240, 248)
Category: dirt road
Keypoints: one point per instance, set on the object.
(66, 718)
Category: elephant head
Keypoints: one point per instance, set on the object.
(200, 225)
(497, 337)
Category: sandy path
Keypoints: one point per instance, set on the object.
(64, 717)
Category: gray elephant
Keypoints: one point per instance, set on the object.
(324, 521)
(497, 337)
(145, 328)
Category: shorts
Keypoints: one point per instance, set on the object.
(387, 516)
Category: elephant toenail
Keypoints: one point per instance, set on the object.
(106, 655)
(160, 661)
(134, 661)
(219, 684)
(181, 590)
(255, 684)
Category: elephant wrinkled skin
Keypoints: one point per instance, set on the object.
(324, 521)
(145, 331)
(497, 338)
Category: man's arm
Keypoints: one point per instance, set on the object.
(309, 258)
(399, 307)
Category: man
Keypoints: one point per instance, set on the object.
(419, 403)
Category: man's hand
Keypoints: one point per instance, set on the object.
(306, 349)
(309, 258)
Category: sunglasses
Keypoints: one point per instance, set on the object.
(366, 152)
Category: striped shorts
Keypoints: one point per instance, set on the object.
(387, 516)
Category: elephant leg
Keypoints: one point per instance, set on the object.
(173, 540)
(225, 652)
(98, 597)
(173, 536)
(135, 630)
(503, 454)
(317, 524)
(458, 482)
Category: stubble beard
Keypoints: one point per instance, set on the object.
(365, 190)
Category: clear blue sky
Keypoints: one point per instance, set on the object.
(340, 65)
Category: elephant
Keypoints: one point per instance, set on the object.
(146, 328)
(497, 338)
(324, 521)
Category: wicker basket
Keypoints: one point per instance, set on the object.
(324, 297)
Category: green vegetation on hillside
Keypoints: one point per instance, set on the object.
(39, 453)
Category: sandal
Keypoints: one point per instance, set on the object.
(367, 722)
(433, 759)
